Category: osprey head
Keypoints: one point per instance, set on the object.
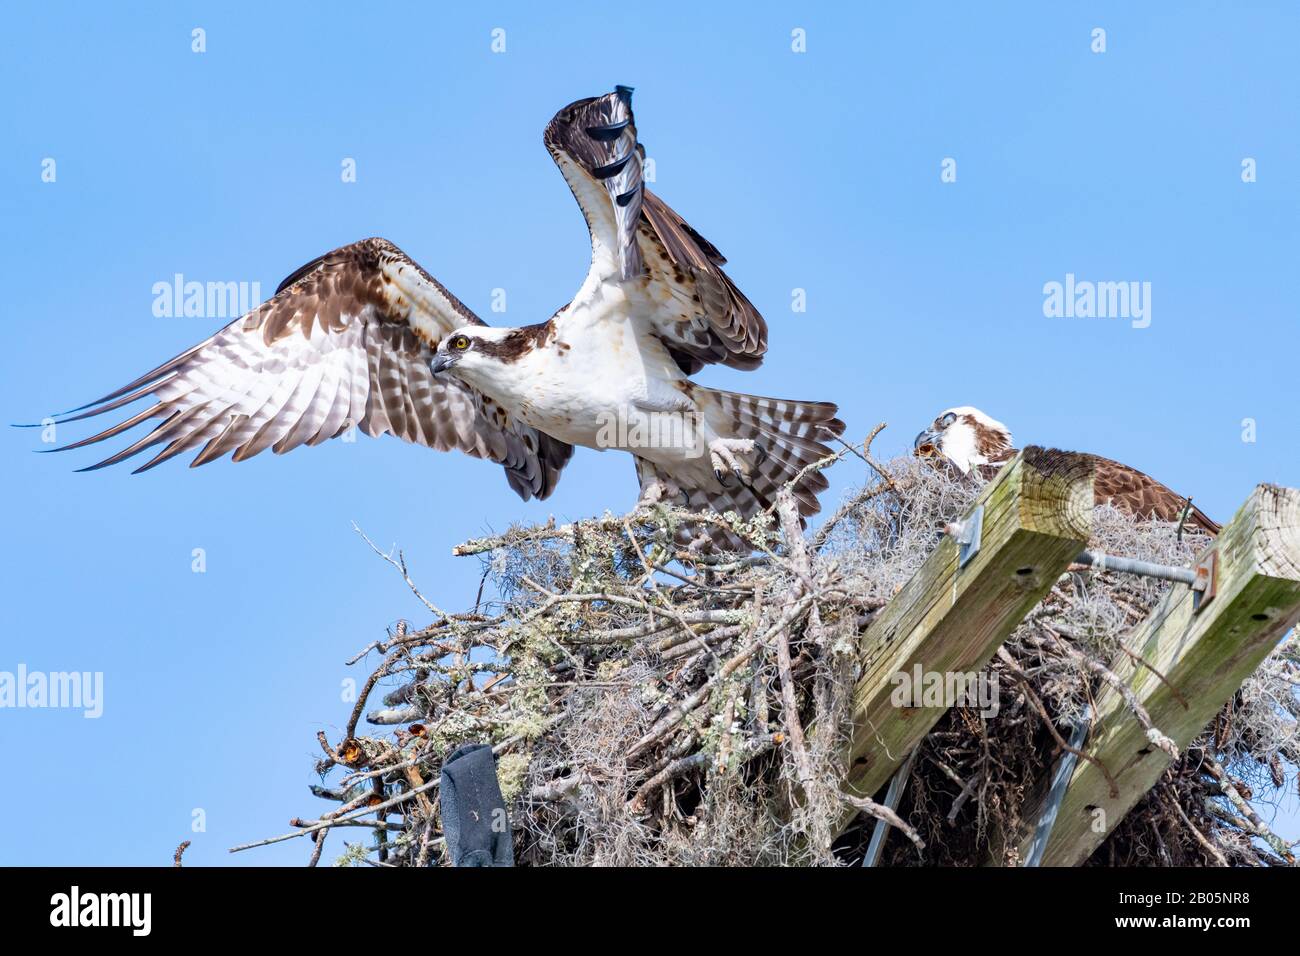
(965, 436)
(470, 352)
(486, 358)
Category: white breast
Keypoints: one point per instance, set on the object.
(599, 376)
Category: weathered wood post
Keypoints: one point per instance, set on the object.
(1203, 656)
(950, 618)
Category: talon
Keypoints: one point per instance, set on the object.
(732, 459)
(761, 450)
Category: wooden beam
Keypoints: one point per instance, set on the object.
(1204, 656)
(950, 619)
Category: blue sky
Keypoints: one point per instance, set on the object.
(817, 171)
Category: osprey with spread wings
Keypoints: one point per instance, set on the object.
(363, 336)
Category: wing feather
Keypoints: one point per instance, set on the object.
(346, 340)
(1137, 493)
(313, 409)
(691, 304)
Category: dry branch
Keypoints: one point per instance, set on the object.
(651, 706)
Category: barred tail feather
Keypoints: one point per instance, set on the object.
(793, 436)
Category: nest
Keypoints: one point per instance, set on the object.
(654, 706)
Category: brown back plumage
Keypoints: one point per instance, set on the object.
(1133, 492)
(1140, 495)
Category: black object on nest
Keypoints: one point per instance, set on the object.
(474, 818)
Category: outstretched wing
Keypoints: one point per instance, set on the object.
(345, 341)
(1137, 493)
(690, 302)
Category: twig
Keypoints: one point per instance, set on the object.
(881, 812)
(1005, 656)
(400, 564)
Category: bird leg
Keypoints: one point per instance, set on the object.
(699, 544)
(732, 457)
(657, 490)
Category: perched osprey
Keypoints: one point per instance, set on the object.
(973, 442)
(363, 336)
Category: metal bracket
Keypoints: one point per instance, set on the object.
(897, 784)
(1206, 584)
(966, 533)
(1056, 793)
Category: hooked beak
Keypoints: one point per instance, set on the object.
(441, 362)
(926, 443)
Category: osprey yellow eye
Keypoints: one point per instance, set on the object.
(460, 343)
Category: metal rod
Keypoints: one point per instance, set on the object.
(1101, 561)
(892, 798)
(1060, 783)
